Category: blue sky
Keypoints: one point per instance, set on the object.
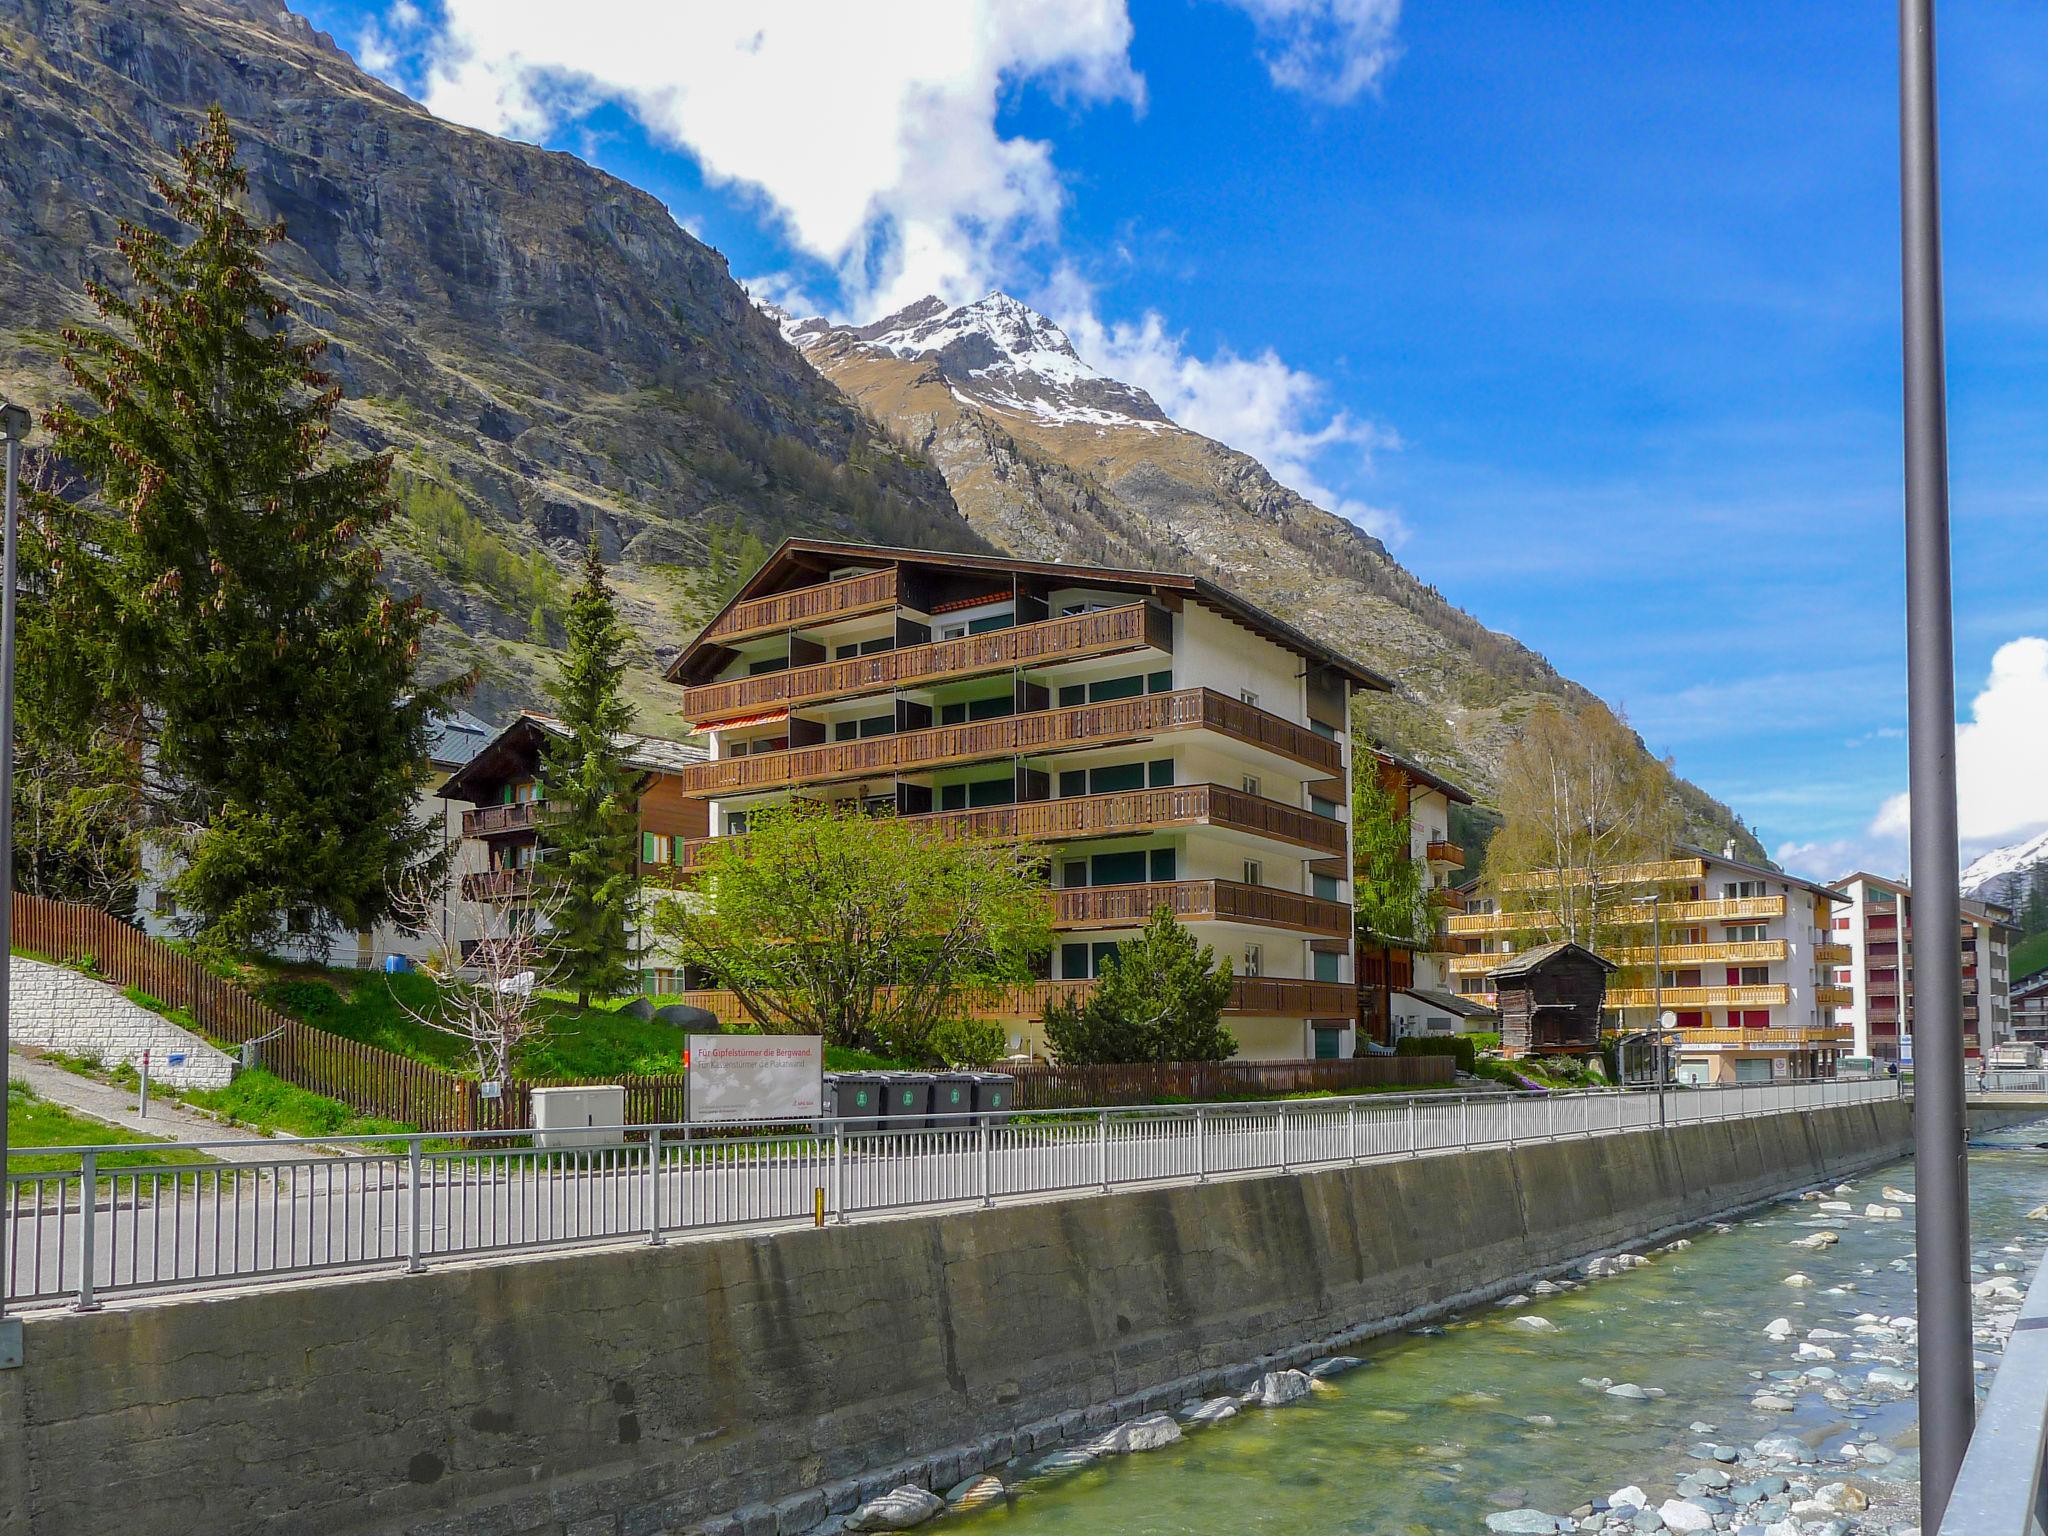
(1592, 311)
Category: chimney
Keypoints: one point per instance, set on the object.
(1728, 849)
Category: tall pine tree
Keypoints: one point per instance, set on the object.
(231, 572)
(592, 831)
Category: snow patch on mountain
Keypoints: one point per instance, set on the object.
(1001, 355)
(1987, 875)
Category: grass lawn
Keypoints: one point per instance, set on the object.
(270, 1104)
(2029, 956)
(33, 1121)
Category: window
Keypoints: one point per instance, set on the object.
(1323, 729)
(1074, 873)
(1164, 863)
(1249, 697)
(952, 797)
(773, 664)
(656, 847)
(1072, 694)
(1159, 772)
(1073, 962)
(1750, 1018)
(1119, 777)
(1324, 886)
(735, 823)
(952, 631)
(1101, 952)
(299, 920)
(166, 903)
(1159, 682)
(1739, 890)
(1329, 1042)
(1253, 957)
(1117, 868)
(1749, 976)
(1253, 785)
(1323, 807)
(987, 622)
(1001, 791)
(1254, 872)
(1115, 688)
(1328, 966)
(991, 708)
(1073, 781)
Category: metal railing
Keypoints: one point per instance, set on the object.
(2001, 1485)
(98, 1230)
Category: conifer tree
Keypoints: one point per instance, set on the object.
(593, 827)
(235, 584)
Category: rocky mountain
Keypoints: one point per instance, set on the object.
(550, 355)
(547, 351)
(1047, 456)
(2006, 872)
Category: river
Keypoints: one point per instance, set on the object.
(1437, 1430)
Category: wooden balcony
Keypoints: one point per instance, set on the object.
(1752, 952)
(1076, 638)
(1252, 996)
(806, 605)
(1835, 997)
(1826, 1034)
(1770, 995)
(1439, 851)
(1042, 731)
(1118, 815)
(497, 884)
(1662, 871)
(1218, 901)
(1733, 909)
(1833, 954)
(497, 820)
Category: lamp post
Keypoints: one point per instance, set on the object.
(1942, 1216)
(1653, 901)
(14, 422)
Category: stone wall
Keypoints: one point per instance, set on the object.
(639, 1390)
(57, 1009)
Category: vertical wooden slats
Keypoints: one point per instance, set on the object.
(1048, 1087)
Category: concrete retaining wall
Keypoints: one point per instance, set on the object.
(642, 1390)
(57, 1009)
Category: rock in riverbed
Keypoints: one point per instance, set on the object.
(1146, 1434)
(1278, 1388)
(1523, 1522)
(897, 1510)
(975, 1492)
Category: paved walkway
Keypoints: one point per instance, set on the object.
(115, 1105)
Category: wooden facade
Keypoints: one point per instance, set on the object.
(1550, 999)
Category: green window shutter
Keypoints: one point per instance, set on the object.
(647, 847)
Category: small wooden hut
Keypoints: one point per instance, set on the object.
(1550, 999)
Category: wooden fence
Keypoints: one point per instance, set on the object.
(1048, 1087)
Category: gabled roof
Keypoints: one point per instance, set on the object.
(1449, 1002)
(816, 557)
(454, 738)
(516, 748)
(1826, 892)
(1422, 775)
(1533, 959)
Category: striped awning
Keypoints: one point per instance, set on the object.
(773, 717)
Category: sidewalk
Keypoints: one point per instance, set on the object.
(172, 1121)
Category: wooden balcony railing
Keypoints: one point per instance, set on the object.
(1831, 953)
(495, 820)
(1255, 996)
(1825, 1034)
(1732, 909)
(1752, 951)
(1770, 995)
(806, 605)
(1663, 871)
(1051, 730)
(1116, 815)
(1835, 997)
(1070, 639)
(497, 884)
(1223, 901)
(1440, 851)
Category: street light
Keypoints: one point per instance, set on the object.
(1653, 901)
(14, 422)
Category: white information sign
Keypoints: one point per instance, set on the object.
(741, 1079)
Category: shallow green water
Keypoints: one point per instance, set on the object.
(1434, 1433)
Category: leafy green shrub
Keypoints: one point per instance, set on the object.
(1483, 1040)
(968, 1042)
(1459, 1046)
(314, 1001)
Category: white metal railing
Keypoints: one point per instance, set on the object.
(2003, 1484)
(96, 1230)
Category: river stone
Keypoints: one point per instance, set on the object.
(1796, 1279)
(1816, 1240)
(1534, 1325)
(1770, 1402)
(1712, 1477)
(975, 1492)
(1815, 1352)
(1684, 1516)
(2038, 1213)
(1899, 1195)
(1890, 1376)
(1778, 1326)
(1146, 1434)
(1627, 1389)
(1214, 1411)
(1516, 1300)
(1884, 1213)
(1630, 1497)
(1333, 1365)
(1879, 1453)
(897, 1510)
(1843, 1498)
(1786, 1448)
(1066, 1458)
(1277, 1388)
(1523, 1522)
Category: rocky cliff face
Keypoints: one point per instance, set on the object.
(1047, 457)
(548, 351)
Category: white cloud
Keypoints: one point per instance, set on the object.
(2001, 786)
(1328, 49)
(1259, 405)
(868, 131)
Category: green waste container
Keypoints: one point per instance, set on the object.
(907, 1100)
(856, 1097)
(952, 1099)
(994, 1092)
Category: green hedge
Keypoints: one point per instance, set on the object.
(1460, 1046)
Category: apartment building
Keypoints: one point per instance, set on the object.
(2030, 1009)
(1168, 743)
(1748, 963)
(1406, 989)
(452, 739)
(504, 789)
(1876, 926)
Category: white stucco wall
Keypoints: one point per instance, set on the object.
(61, 1010)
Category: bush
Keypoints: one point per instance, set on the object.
(968, 1042)
(1460, 1046)
(1484, 1040)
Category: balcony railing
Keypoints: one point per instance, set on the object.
(497, 884)
(1729, 909)
(1255, 996)
(1117, 815)
(1752, 951)
(1051, 730)
(1223, 901)
(1796, 1035)
(1835, 997)
(1833, 954)
(1663, 871)
(806, 605)
(1770, 995)
(1440, 851)
(1070, 639)
(495, 820)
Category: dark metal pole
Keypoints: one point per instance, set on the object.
(1942, 1216)
(14, 423)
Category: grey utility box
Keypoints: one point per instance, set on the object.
(994, 1092)
(952, 1099)
(857, 1096)
(578, 1117)
(908, 1097)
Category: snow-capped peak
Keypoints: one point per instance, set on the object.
(1987, 875)
(1001, 354)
